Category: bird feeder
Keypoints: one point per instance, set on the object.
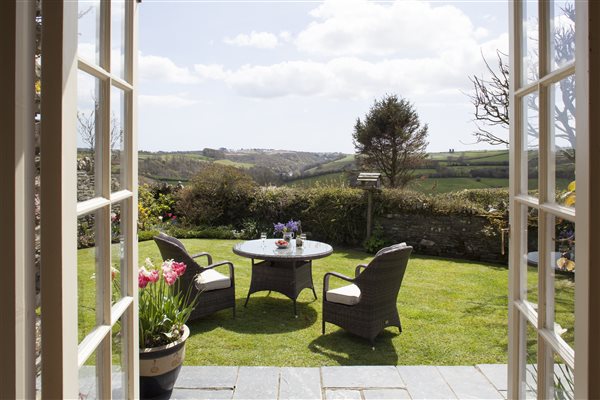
(369, 181)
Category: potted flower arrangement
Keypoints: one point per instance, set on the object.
(287, 230)
(163, 312)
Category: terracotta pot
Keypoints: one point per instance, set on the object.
(160, 366)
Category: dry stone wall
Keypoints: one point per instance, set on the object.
(471, 237)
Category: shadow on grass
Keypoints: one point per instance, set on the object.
(264, 315)
(347, 349)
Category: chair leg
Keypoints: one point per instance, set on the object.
(247, 298)
(323, 327)
(315, 293)
(233, 310)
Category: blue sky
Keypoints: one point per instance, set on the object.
(296, 75)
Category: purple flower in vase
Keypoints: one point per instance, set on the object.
(290, 226)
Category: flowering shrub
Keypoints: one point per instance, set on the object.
(163, 308)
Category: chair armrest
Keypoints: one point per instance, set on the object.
(357, 271)
(231, 271)
(337, 275)
(203, 254)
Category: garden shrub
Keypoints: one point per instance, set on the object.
(218, 195)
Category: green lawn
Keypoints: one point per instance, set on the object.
(453, 313)
(332, 179)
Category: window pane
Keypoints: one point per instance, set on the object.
(564, 380)
(562, 40)
(118, 260)
(562, 267)
(529, 253)
(88, 30)
(117, 139)
(563, 142)
(531, 146)
(117, 38)
(119, 360)
(87, 257)
(88, 379)
(88, 132)
(530, 363)
(530, 42)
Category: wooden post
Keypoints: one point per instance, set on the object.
(369, 213)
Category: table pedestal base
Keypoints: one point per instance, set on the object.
(286, 277)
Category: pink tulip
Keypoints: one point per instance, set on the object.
(153, 276)
(170, 276)
(179, 268)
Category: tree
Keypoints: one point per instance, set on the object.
(490, 96)
(391, 140)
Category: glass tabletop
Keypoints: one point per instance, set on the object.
(267, 250)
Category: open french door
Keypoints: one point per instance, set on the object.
(553, 162)
(89, 190)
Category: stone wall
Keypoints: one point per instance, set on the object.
(471, 237)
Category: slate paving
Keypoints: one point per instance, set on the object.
(484, 381)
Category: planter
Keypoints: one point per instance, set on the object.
(160, 366)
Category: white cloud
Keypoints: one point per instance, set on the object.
(409, 28)
(170, 101)
(285, 36)
(261, 40)
(157, 68)
(344, 77)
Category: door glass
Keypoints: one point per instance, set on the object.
(529, 254)
(88, 132)
(531, 145)
(117, 139)
(118, 262)
(88, 30)
(562, 40)
(562, 266)
(119, 361)
(87, 269)
(88, 379)
(530, 42)
(530, 364)
(564, 380)
(561, 171)
(117, 38)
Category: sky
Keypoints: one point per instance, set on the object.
(295, 75)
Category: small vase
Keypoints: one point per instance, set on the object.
(160, 366)
(288, 236)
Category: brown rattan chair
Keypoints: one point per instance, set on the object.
(368, 304)
(218, 290)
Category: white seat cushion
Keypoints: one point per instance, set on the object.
(348, 295)
(212, 280)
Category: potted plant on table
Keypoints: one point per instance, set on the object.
(287, 230)
(163, 311)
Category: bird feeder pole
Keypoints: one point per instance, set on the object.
(369, 181)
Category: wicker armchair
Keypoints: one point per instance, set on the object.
(368, 304)
(218, 290)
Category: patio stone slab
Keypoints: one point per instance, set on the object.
(342, 394)
(257, 383)
(300, 384)
(425, 382)
(469, 383)
(199, 394)
(385, 394)
(495, 373)
(207, 378)
(362, 377)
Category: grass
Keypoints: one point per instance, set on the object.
(235, 164)
(453, 313)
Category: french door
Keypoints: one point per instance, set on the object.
(551, 274)
(89, 200)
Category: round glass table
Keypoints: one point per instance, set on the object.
(287, 271)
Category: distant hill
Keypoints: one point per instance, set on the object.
(442, 172)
